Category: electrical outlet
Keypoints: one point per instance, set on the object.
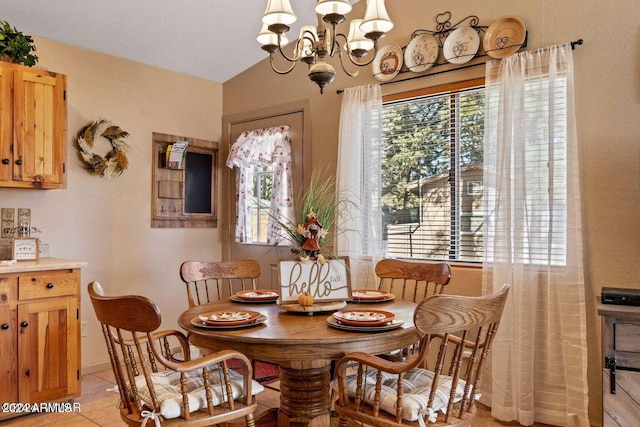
(83, 328)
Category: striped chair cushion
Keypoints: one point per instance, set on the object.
(167, 387)
(416, 387)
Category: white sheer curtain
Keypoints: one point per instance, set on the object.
(358, 178)
(533, 240)
(269, 147)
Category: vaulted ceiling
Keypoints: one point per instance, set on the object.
(211, 39)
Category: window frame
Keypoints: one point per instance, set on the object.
(454, 210)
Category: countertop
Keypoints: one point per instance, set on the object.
(42, 264)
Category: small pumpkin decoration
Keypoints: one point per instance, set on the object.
(305, 299)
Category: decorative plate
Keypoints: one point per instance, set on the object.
(364, 317)
(504, 37)
(229, 317)
(387, 63)
(421, 53)
(368, 294)
(393, 324)
(461, 45)
(221, 325)
(258, 295)
(252, 301)
(310, 309)
(388, 297)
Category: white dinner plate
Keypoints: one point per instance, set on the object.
(235, 298)
(393, 324)
(388, 297)
(387, 63)
(199, 323)
(364, 317)
(368, 294)
(461, 45)
(421, 53)
(258, 295)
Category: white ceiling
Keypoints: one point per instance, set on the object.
(211, 39)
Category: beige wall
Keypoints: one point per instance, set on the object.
(607, 78)
(106, 222)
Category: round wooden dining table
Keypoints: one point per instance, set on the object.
(303, 345)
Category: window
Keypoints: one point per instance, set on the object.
(262, 177)
(432, 173)
(263, 183)
(528, 222)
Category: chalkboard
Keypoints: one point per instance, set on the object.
(197, 184)
(325, 282)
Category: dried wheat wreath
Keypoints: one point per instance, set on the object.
(115, 161)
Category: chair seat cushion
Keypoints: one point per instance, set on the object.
(416, 386)
(167, 388)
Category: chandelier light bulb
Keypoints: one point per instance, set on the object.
(376, 19)
(359, 45)
(326, 7)
(280, 14)
(306, 41)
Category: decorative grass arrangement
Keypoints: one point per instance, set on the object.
(320, 199)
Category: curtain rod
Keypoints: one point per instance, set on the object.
(573, 46)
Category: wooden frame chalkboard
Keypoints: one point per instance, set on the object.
(185, 197)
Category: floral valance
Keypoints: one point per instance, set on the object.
(261, 147)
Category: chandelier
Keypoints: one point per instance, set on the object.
(316, 43)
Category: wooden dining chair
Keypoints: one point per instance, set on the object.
(157, 388)
(412, 280)
(457, 335)
(212, 281)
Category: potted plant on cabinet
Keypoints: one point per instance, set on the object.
(15, 46)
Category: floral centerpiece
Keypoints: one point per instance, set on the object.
(320, 206)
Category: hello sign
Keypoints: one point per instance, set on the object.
(325, 282)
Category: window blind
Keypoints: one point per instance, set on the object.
(432, 175)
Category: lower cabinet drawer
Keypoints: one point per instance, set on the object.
(47, 285)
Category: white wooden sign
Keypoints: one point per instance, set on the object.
(325, 282)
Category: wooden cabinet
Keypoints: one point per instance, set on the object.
(40, 332)
(33, 127)
(621, 379)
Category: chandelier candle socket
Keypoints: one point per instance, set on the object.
(315, 44)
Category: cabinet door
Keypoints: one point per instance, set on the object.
(48, 359)
(8, 353)
(39, 127)
(6, 122)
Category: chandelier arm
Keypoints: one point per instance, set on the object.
(273, 67)
(351, 58)
(347, 72)
(294, 59)
(334, 40)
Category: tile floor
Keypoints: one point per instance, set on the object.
(99, 402)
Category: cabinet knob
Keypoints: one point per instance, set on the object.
(24, 324)
(19, 162)
(6, 161)
(49, 285)
(4, 326)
